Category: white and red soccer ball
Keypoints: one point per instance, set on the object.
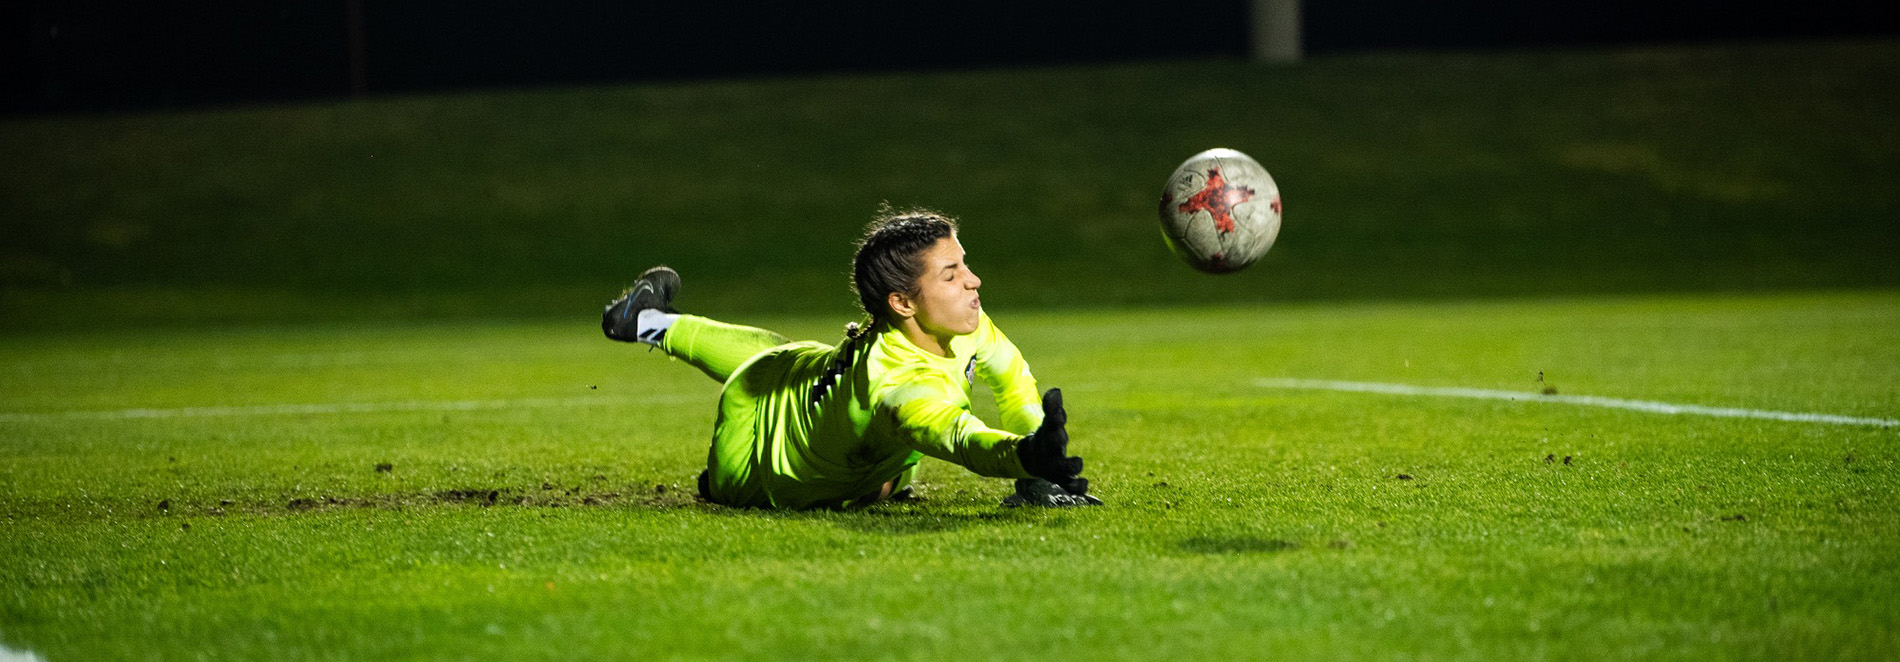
(1220, 211)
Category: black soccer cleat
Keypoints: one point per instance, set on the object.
(654, 290)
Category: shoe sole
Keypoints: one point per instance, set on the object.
(666, 283)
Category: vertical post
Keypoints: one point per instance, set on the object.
(1276, 31)
(358, 47)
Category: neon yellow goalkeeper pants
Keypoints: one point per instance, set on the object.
(735, 474)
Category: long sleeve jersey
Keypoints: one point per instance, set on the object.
(807, 424)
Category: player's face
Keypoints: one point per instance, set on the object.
(947, 304)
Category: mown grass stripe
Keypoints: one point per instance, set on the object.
(1586, 400)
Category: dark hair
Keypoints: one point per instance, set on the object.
(889, 259)
(890, 255)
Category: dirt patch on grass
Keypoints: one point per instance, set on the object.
(476, 496)
(636, 495)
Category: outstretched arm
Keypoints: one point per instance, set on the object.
(928, 422)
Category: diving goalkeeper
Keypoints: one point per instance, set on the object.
(810, 425)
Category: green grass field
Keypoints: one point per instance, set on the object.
(324, 381)
(537, 501)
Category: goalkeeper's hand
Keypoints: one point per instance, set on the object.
(1045, 452)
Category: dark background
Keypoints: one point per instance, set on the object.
(87, 55)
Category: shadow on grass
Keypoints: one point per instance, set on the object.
(1237, 545)
(909, 517)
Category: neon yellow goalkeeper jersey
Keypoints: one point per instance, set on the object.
(790, 436)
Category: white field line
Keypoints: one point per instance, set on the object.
(1586, 400)
(337, 408)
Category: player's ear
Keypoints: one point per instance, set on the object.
(901, 305)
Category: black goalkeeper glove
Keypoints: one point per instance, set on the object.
(1045, 453)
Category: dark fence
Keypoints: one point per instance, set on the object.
(66, 55)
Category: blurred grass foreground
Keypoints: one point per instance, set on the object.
(1662, 169)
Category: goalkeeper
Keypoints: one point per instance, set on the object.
(809, 425)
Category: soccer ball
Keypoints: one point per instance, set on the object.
(1220, 211)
